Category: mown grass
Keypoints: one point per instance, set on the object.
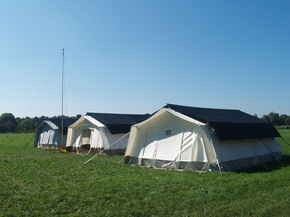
(285, 133)
(36, 182)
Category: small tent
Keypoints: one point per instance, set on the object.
(102, 132)
(48, 133)
(203, 139)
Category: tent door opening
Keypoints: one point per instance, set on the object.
(85, 141)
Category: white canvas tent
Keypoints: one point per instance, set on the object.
(101, 132)
(48, 133)
(181, 137)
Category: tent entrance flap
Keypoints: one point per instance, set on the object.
(86, 137)
(85, 141)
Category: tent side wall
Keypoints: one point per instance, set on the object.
(117, 142)
(99, 137)
(75, 132)
(48, 138)
(167, 141)
(69, 137)
(241, 154)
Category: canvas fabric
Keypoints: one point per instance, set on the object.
(172, 140)
(48, 136)
(100, 137)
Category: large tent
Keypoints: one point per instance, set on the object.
(48, 133)
(182, 137)
(102, 132)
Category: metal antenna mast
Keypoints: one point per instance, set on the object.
(62, 78)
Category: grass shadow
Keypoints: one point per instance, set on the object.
(275, 165)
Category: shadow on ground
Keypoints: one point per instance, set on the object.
(275, 165)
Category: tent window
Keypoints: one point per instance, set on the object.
(168, 132)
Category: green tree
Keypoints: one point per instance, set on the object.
(274, 118)
(26, 125)
(2, 128)
(266, 118)
(11, 126)
(287, 121)
(8, 122)
(283, 118)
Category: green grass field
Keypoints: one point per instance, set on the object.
(36, 182)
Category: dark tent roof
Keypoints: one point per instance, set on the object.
(118, 123)
(66, 123)
(229, 124)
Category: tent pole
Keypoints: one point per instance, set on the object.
(216, 157)
(219, 166)
(205, 150)
(62, 75)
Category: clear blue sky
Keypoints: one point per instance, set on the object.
(135, 56)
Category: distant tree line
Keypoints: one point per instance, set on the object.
(10, 124)
(277, 119)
